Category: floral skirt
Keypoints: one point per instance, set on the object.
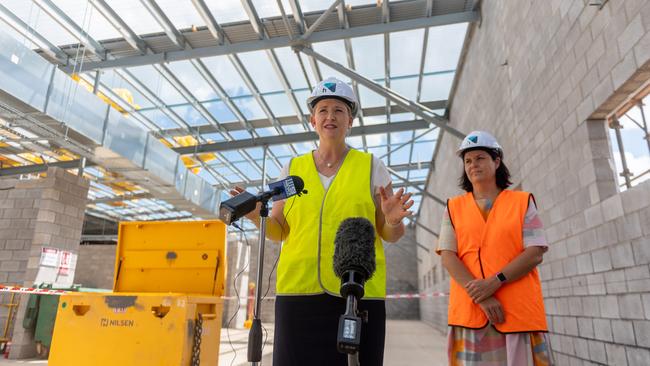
(488, 347)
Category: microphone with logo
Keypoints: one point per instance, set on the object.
(354, 264)
(238, 206)
(234, 208)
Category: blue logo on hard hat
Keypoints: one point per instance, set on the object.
(330, 86)
(473, 139)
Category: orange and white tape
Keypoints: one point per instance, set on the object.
(45, 291)
(31, 290)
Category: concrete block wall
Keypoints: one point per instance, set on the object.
(96, 266)
(35, 214)
(541, 76)
(401, 277)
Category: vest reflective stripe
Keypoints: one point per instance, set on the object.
(306, 259)
(485, 248)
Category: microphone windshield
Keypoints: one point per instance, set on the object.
(355, 247)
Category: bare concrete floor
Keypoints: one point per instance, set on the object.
(407, 343)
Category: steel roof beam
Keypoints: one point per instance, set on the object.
(298, 137)
(417, 108)
(210, 22)
(283, 41)
(288, 120)
(170, 30)
(28, 32)
(40, 168)
(69, 25)
(120, 25)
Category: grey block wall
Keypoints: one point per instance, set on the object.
(39, 213)
(96, 266)
(401, 277)
(541, 76)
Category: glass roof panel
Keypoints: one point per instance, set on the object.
(405, 86)
(370, 99)
(159, 118)
(279, 104)
(227, 76)
(376, 140)
(220, 111)
(259, 67)
(444, 46)
(366, 51)
(436, 86)
(190, 115)
(249, 107)
(87, 17)
(291, 67)
(301, 97)
(227, 11)
(335, 51)
(114, 81)
(37, 19)
(136, 16)
(314, 5)
(157, 84)
(181, 13)
(280, 150)
(406, 43)
(192, 79)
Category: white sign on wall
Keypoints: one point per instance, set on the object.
(56, 267)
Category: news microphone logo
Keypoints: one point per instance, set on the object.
(236, 207)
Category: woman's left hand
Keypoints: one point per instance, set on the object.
(395, 207)
(480, 289)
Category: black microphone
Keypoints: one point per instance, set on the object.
(354, 264)
(234, 208)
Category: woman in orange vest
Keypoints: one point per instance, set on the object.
(491, 242)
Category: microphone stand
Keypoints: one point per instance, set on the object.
(255, 334)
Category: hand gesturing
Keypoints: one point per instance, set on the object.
(395, 206)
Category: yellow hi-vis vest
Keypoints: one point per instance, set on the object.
(306, 259)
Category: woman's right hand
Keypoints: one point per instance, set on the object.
(254, 215)
(493, 310)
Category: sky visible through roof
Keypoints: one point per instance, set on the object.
(442, 51)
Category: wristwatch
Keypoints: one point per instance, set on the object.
(501, 277)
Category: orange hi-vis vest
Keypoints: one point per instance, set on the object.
(485, 247)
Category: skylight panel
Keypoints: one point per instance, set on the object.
(335, 51)
(190, 115)
(259, 68)
(136, 16)
(279, 104)
(220, 111)
(227, 11)
(226, 74)
(406, 52)
(181, 13)
(436, 86)
(444, 46)
(368, 51)
(249, 107)
(291, 66)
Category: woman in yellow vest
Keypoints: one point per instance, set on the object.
(491, 242)
(342, 183)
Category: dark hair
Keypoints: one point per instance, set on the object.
(502, 173)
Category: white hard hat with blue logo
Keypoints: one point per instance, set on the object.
(478, 139)
(333, 88)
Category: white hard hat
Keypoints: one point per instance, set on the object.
(479, 139)
(333, 88)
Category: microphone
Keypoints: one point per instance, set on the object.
(354, 264)
(234, 208)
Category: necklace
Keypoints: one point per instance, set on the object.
(327, 163)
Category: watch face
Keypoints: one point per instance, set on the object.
(501, 277)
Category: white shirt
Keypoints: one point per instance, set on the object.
(380, 176)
